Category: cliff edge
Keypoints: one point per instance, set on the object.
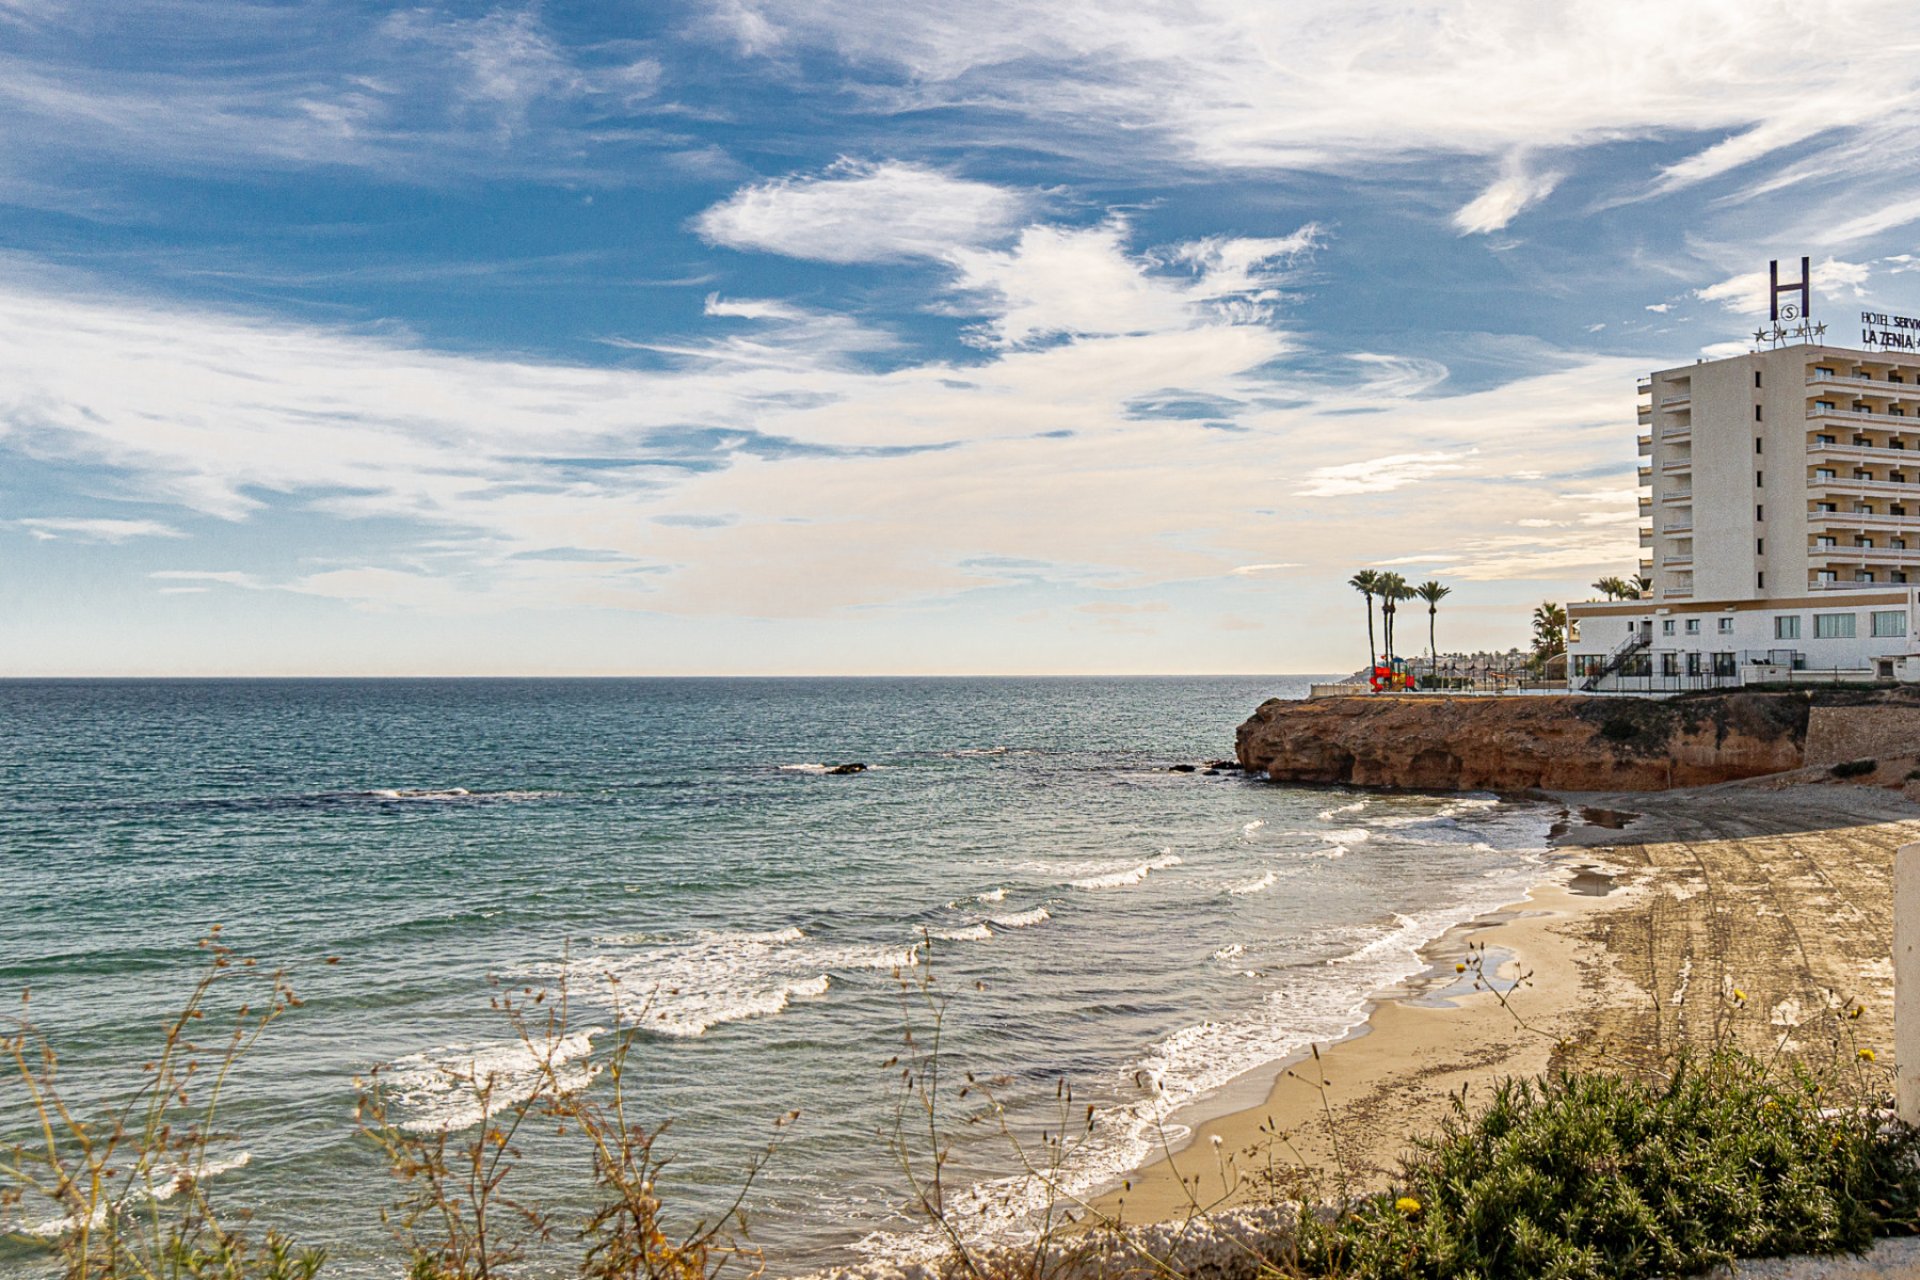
(1557, 743)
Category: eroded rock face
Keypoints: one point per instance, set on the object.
(1568, 743)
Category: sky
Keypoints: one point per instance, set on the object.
(820, 337)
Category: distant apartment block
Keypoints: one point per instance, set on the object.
(1779, 523)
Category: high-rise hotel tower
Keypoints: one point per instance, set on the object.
(1779, 518)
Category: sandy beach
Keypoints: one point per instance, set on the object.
(1658, 909)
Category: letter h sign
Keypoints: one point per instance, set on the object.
(1800, 286)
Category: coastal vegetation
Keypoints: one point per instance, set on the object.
(1393, 590)
(1600, 1170)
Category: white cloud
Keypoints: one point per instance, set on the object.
(1747, 292)
(1377, 475)
(94, 529)
(1083, 281)
(1223, 84)
(859, 212)
(1251, 570)
(1515, 189)
(208, 577)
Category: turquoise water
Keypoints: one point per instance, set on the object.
(1098, 917)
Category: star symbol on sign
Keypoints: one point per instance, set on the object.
(1759, 335)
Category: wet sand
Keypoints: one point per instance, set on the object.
(1659, 908)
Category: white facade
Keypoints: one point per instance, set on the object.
(1780, 513)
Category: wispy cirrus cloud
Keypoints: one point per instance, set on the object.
(95, 528)
(863, 212)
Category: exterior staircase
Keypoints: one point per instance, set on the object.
(1633, 644)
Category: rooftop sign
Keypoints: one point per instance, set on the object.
(1897, 333)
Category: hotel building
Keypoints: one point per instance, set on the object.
(1779, 523)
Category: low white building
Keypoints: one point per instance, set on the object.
(1666, 646)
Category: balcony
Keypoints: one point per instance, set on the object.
(1844, 485)
(1677, 495)
(1646, 537)
(1815, 584)
(1854, 417)
(1838, 452)
(1677, 432)
(1880, 385)
(1646, 476)
(1644, 414)
(1646, 504)
(1682, 525)
(1863, 521)
(1677, 466)
(1682, 561)
(1904, 557)
(1646, 446)
(1676, 402)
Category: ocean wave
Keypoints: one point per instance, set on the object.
(458, 1086)
(1022, 919)
(1260, 885)
(1122, 876)
(1328, 815)
(980, 751)
(992, 895)
(1345, 835)
(168, 1181)
(1231, 951)
(684, 987)
(810, 767)
(1249, 828)
(972, 933)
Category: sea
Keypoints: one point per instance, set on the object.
(1020, 857)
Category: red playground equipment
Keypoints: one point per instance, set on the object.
(1390, 675)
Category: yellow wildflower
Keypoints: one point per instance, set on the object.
(1407, 1204)
(1866, 1055)
(1739, 995)
(1459, 968)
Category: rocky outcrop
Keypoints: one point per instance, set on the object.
(1567, 743)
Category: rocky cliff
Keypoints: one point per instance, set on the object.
(1569, 743)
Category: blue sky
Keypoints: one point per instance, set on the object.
(787, 336)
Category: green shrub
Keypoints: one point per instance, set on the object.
(1854, 768)
(1580, 1176)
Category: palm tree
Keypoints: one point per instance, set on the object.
(1614, 587)
(1642, 584)
(1433, 593)
(1366, 582)
(1549, 631)
(1391, 588)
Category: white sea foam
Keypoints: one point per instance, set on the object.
(1022, 919)
(1231, 951)
(1260, 885)
(685, 986)
(1328, 815)
(167, 1182)
(972, 933)
(981, 751)
(440, 795)
(1345, 835)
(805, 768)
(1121, 876)
(993, 895)
(1253, 826)
(458, 1086)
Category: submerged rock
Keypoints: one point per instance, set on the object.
(855, 767)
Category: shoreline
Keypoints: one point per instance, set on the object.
(1611, 967)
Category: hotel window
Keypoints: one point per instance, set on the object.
(1825, 506)
(1863, 575)
(1760, 581)
(1693, 662)
(1725, 626)
(1786, 627)
(1693, 626)
(1898, 544)
(1756, 445)
(1891, 623)
(1898, 575)
(1756, 379)
(1824, 473)
(1759, 480)
(1819, 372)
(1823, 406)
(1825, 576)
(1863, 442)
(1759, 512)
(1826, 440)
(1833, 626)
(1759, 546)
(1723, 665)
(1756, 413)
(1863, 542)
(1666, 626)
(1669, 664)
(1824, 541)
